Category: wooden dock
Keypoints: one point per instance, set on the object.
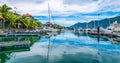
(12, 35)
(9, 34)
(105, 34)
(14, 45)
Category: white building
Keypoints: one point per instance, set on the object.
(115, 26)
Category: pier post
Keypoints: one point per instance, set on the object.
(98, 31)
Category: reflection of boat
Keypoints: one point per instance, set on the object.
(82, 33)
(49, 29)
(78, 30)
(115, 41)
(101, 38)
(52, 34)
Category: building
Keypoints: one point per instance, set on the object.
(115, 26)
(28, 15)
(48, 23)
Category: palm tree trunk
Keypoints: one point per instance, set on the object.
(3, 24)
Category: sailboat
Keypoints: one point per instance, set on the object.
(50, 31)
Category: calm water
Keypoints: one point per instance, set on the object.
(67, 47)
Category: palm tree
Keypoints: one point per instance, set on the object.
(33, 23)
(30, 22)
(25, 21)
(4, 10)
(12, 19)
(39, 24)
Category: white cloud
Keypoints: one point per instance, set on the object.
(65, 22)
(65, 8)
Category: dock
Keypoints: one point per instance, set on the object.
(22, 33)
(14, 45)
(105, 34)
(14, 35)
(19, 34)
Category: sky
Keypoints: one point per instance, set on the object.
(66, 12)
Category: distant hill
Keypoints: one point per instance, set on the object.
(103, 23)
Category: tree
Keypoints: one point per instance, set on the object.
(30, 23)
(25, 22)
(39, 24)
(12, 19)
(4, 10)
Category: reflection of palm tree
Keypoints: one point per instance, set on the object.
(4, 57)
(48, 52)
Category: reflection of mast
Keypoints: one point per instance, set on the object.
(48, 49)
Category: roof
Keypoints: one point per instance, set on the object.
(28, 15)
(48, 23)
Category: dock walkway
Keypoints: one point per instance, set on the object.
(14, 45)
(2, 44)
(105, 34)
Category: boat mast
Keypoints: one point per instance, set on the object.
(49, 16)
(48, 52)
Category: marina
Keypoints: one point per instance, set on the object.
(59, 31)
(69, 45)
(111, 31)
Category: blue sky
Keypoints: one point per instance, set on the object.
(66, 12)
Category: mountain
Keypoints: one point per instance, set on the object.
(103, 23)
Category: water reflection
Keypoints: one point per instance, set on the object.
(69, 48)
(8, 52)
